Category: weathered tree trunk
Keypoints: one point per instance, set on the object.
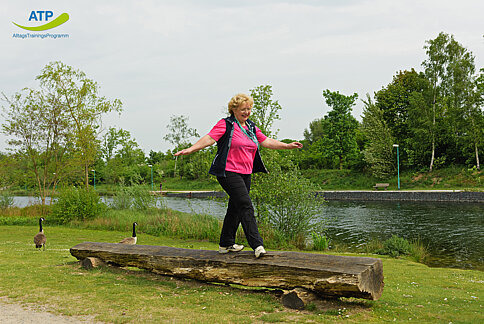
(325, 275)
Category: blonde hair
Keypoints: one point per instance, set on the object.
(238, 100)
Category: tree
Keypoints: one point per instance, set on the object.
(55, 127)
(179, 133)
(394, 101)
(39, 132)
(315, 131)
(475, 117)
(435, 72)
(77, 95)
(124, 159)
(332, 138)
(450, 69)
(340, 126)
(378, 152)
(265, 110)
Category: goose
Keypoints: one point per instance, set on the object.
(39, 238)
(132, 239)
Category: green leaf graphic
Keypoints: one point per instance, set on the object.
(54, 23)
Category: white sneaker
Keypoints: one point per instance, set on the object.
(232, 248)
(259, 251)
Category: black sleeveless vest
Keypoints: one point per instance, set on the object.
(223, 145)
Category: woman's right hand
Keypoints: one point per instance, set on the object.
(182, 152)
(200, 144)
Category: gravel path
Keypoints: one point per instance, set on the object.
(17, 314)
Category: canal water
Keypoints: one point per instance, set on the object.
(452, 232)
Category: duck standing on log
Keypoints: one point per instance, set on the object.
(39, 238)
(133, 239)
(238, 140)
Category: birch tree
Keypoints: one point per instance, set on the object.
(450, 69)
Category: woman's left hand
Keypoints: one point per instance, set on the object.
(277, 145)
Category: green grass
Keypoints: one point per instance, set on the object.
(53, 279)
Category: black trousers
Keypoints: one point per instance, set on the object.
(240, 210)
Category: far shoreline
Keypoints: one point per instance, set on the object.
(359, 195)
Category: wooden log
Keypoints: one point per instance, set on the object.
(325, 275)
(90, 262)
(298, 298)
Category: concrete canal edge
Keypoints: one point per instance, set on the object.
(363, 195)
(427, 195)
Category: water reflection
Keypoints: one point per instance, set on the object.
(453, 232)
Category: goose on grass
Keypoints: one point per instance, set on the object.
(39, 238)
(132, 239)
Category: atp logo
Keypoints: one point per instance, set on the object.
(44, 15)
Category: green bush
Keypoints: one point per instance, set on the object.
(418, 251)
(142, 198)
(6, 200)
(395, 246)
(77, 204)
(320, 242)
(122, 199)
(286, 201)
(135, 197)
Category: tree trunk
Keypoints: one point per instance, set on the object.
(477, 156)
(325, 275)
(174, 171)
(433, 133)
(86, 175)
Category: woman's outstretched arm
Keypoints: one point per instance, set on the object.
(277, 145)
(199, 145)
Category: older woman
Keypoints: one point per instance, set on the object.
(238, 156)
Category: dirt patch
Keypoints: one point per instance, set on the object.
(418, 177)
(436, 180)
(339, 308)
(11, 313)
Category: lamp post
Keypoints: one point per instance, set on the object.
(398, 165)
(151, 167)
(94, 178)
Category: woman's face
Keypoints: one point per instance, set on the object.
(242, 113)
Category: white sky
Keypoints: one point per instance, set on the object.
(184, 57)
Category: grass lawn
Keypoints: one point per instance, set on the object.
(53, 279)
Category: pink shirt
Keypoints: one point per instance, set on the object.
(242, 150)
